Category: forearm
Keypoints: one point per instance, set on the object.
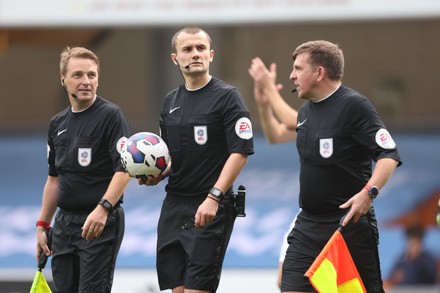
(116, 187)
(232, 168)
(283, 111)
(50, 199)
(383, 170)
(274, 131)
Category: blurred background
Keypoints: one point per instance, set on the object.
(392, 55)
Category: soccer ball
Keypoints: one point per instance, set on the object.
(144, 154)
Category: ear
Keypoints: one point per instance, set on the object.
(62, 82)
(174, 59)
(321, 73)
(211, 53)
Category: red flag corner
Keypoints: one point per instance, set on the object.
(333, 270)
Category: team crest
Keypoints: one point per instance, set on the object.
(201, 134)
(326, 147)
(84, 156)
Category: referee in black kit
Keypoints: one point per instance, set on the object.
(86, 181)
(338, 135)
(206, 125)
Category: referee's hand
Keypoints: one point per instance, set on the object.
(150, 180)
(206, 212)
(94, 224)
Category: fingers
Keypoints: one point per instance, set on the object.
(150, 180)
(92, 233)
(202, 220)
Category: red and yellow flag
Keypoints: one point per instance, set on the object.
(334, 271)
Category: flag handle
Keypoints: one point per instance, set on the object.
(42, 260)
(340, 227)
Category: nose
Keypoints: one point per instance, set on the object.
(293, 75)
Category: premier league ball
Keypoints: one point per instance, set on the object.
(144, 154)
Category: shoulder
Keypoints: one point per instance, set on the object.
(105, 104)
(351, 100)
(172, 93)
(350, 96)
(61, 115)
(217, 83)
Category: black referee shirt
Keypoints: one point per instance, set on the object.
(337, 140)
(202, 128)
(82, 153)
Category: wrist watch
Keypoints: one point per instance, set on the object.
(373, 191)
(106, 204)
(217, 193)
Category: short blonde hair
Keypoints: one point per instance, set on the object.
(78, 52)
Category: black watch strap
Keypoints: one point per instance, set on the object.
(217, 193)
(106, 204)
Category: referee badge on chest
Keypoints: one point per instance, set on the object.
(201, 134)
(84, 156)
(326, 147)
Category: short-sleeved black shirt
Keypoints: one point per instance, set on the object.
(337, 140)
(82, 152)
(202, 128)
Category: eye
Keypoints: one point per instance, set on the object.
(201, 47)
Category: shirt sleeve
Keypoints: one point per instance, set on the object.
(119, 128)
(370, 131)
(238, 126)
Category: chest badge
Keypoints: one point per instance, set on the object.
(326, 147)
(84, 156)
(201, 134)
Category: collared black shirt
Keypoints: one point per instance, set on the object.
(202, 128)
(82, 152)
(338, 138)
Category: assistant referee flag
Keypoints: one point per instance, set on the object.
(40, 285)
(334, 271)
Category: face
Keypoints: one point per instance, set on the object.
(81, 81)
(193, 50)
(304, 76)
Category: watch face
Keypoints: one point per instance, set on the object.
(374, 191)
(216, 192)
(106, 204)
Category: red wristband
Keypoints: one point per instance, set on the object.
(367, 187)
(43, 224)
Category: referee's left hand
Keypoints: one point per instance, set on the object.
(360, 204)
(206, 212)
(94, 224)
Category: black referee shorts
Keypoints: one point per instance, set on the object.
(191, 256)
(309, 236)
(80, 265)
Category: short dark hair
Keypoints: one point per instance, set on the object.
(325, 54)
(415, 231)
(188, 30)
